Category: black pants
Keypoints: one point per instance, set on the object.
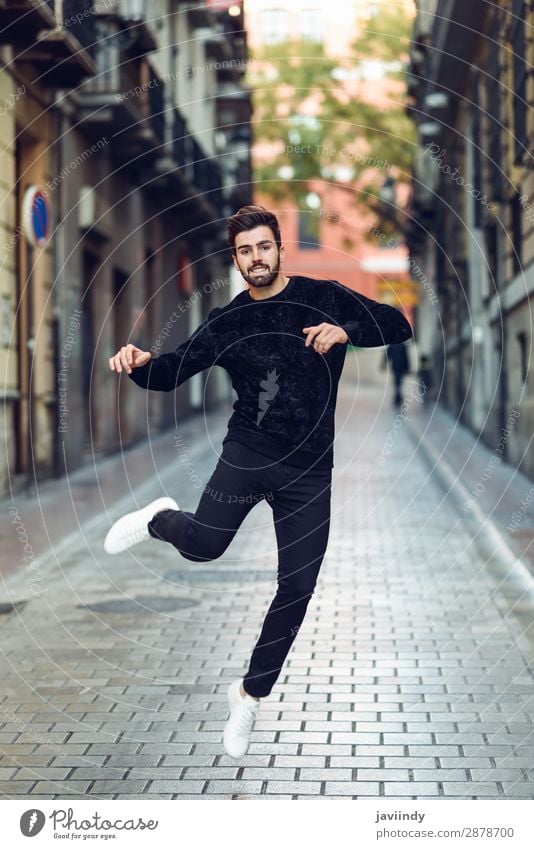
(300, 501)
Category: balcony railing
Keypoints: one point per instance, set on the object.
(114, 74)
(79, 19)
(58, 39)
(201, 172)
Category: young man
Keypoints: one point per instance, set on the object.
(283, 341)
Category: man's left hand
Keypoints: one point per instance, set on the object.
(324, 335)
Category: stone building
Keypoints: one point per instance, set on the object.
(471, 233)
(126, 146)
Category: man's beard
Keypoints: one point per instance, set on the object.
(264, 279)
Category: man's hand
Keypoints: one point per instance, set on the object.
(324, 335)
(129, 357)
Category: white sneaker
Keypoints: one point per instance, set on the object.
(133, 527)
(243, 712)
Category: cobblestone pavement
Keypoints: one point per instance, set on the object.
(410, 678)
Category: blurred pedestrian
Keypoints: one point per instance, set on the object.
(425, 377)
(396, 356)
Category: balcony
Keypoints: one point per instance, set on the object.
(133, 14)
(233, 108)
(63, 51)
(199, 16)
(188, 176)
(21, 20)
(227, 43)
(125, 99)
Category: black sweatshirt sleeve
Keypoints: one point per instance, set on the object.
(168, 371)
(366, 322)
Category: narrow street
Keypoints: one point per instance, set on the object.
(411, 676)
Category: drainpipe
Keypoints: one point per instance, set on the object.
(503, 345)
(57, 462)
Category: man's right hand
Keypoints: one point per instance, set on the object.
(129, 357)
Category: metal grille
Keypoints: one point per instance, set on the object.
(80, 20)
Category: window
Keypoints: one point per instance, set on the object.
(311, 25)
(274, 26)
(309, 229)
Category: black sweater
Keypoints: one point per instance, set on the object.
(286, 391)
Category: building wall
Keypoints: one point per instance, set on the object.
(103, 279)
(484, 259)
(8, 291)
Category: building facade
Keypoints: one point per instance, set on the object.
(128, 145)
(471, 233)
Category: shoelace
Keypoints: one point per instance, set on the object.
(247, 715)
(138, 534)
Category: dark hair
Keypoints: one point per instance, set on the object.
(249, 217)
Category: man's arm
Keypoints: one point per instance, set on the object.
(366, 322)
(168, 371)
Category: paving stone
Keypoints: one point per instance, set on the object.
(299, 761)
(329, 774)
(441, 774)
(382, 774)
(356, 737)
(61, 788)
(175, 786)
(351, 788)
(15, 788)
(269, 773)
(308, 787)
(188, 760)
(46, 772)
(355, 762)
(94, 772)
(213, 772)
(412, 788)
(234, 787)
(471, 789)
(304, 737)
(518, 790)
(122, 785)
(131, 760)
(7, 772)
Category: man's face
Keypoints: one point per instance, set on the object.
(257, 256)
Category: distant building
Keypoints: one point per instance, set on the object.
(326, 237)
